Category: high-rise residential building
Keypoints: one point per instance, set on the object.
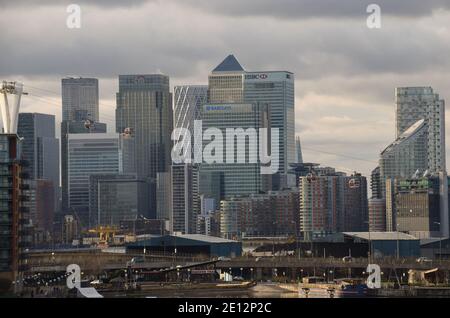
(417, 206)
(185, 197)
(317, 216)
(422, 103)
(230, 213)
(377, 215)
(40, 151)
(332, 203)
(211, 186)
(89, 154)
(375, 184)
(260, 215)
(144, 106)
(298, 151)
(230, 83)
(70, 229)
(354, 215)
(188, 101)
(164, 198)
(407, 155)
(187, 104)
(80, 99)
(45, 205)
(14, 235)
(70, 128)
(239, 178)
(116, 197)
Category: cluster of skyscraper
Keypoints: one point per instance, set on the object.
(112, 179)
(410, 186)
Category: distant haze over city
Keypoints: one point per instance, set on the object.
(345, 73)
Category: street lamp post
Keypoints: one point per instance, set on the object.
(369, 256)
(296, 239)
(398, 242)
(440, 241)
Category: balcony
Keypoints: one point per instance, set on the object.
(24, 209)
(24, 186)
(25, 175)
(24, 198)
(24, 268)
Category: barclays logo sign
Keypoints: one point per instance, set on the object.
(218, 108)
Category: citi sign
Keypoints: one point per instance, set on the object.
(256, 76)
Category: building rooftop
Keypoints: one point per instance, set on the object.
(411, 131)
(381, 236)
(230, 64)
(205, 238)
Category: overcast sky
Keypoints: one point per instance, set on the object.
(345, 72)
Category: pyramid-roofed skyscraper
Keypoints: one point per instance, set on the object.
(229, 82)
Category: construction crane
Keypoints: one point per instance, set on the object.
(106, 234)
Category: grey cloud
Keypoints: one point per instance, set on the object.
(312, 50)
(98, 3)
(283, 9)
(292, 9)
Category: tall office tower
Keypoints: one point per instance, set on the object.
(40, 149)
(80, 99)
(13, 234)
(211, 186)
(89, 154)
(184, 198)
(298, 151)
(164, 197)
(407, 155)
(226, 82)
(144, 105)
(375, 183)
(188, 100)
(73, 127)
(277, 90)
(230, 83)
(239, 178)
(128, 146)
(332, 203)
(116, 197)
(417, 103)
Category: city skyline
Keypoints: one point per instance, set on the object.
(332, 99)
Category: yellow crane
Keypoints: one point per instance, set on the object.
(106, 234)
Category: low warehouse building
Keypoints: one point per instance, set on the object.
(383, 243)
(189, 244)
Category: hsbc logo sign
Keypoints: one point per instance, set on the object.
(261, 76)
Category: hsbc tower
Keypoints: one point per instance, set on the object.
(277, 89)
